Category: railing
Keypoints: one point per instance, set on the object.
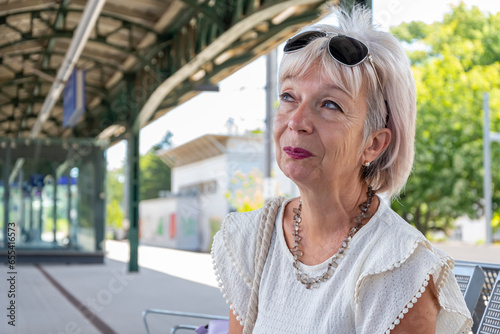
(174, 329)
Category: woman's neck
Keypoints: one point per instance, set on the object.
(329, 214)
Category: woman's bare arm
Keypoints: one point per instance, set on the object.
(234, 325)
(422, 317)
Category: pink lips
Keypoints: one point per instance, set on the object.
(297, 152)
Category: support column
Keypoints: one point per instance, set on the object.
(6, 193)
(54, 209)
(22, 204)
(68, 210)
(133, 174)
(487, 169)
(30, 218)
(271, 75)
(99, 203)
(40, 217)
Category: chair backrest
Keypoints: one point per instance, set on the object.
(490, 323)
(214, 326)
(470, 279)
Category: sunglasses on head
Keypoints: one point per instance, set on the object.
(344, 49)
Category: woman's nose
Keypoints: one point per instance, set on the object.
(301, 119)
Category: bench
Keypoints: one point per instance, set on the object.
(468, 275)
(490, 322)
(479, 283)
(174, 329)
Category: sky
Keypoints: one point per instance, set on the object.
(241, 96)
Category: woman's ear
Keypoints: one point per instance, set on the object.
(376, 144)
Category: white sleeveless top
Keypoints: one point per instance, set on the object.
(380, 277)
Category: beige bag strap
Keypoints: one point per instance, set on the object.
(265, 233)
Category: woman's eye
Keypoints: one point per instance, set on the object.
(286, 97)
(332, 105)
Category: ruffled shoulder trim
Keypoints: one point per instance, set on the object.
(407, 253)
(233, 252)
(399, 240)
(238, 234)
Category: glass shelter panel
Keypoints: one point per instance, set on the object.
(52, 191)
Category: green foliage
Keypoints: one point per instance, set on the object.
(114, 214)
(410, 32)
(496, 221)
(115, 180)
(155, 176)
(62, 225)
(215, 224)
(245, 192)
(165, 143)
(460, 61)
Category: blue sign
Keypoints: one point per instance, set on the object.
(36, 180)
(74, 98)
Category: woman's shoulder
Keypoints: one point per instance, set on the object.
(237, 238)
(241, 223)
(398, 262)
(394, 241)
(395, 230)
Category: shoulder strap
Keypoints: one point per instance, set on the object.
(265, 233)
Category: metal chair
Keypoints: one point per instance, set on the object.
(470, 278)
(491, 272)
(174, 329)
(490, 323)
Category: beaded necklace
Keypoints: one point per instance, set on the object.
(313, 282)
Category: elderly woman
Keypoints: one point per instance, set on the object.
(338, 259)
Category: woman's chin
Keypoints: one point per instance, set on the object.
(299, 174)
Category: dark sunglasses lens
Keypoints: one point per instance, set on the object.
(347, 50)
(300, 41)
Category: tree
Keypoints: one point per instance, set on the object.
(457, 61)
(154, 176)
(114, 198)
(166, 142)
(115, 180)
(114, 214)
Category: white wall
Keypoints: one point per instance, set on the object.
(212, 201)
(198, 172)
(155, 221)
(472, 230)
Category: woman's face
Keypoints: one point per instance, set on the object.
(318, 130)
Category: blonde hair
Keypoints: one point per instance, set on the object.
(389, 172)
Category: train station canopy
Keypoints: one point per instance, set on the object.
(77, 76)
(163, 51)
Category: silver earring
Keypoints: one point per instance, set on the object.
(367, 164)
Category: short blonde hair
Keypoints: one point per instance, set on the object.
(389, 172)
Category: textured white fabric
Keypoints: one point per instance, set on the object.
(377, 281)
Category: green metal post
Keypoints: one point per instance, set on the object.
(31, 218)
(99, 203)
(6, 192)
(22, 203)
(68, 209)
(40, 218)
(54, 209)
(133, 175)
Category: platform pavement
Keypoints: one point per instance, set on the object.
(52, 299)
(111, 294)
